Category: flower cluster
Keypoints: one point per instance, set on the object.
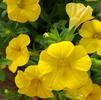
(63, 65)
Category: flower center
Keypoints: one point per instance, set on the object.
(36, 81)
(18, 49)
(64, 63)
(20, 4)
(97, 36)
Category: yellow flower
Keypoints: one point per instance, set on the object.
(65, 64)
(23, 10)
(80, 93)
(31, 83)
(95, 93)
(78, 14)
(89, 91)
(17, 51)
(91, 36)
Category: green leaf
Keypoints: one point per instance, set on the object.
(22, 30)
(96, 74)
(67, 35)
(2, 75)
(2, 5)
(59, 95)
(11, 95)
(54, 33)
(64, 33)
(4, 61)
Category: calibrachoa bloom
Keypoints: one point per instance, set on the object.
(78, 14)
(91, 36)
(17, 51)
(80, 93)
(65, 64)
(31, 83)
(23, 10)
(95, 93)
(89, 91)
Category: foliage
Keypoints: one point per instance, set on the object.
(51, 27)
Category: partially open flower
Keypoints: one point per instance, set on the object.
(78, 14)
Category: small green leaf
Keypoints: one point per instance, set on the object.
(54, 34)
(22, 30)
(4, 61)
(2, 75)
(64, 33)
(67, 35)
(2, 5)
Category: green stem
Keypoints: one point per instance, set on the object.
(96, 62)
(70, 35)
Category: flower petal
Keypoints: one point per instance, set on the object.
(95, 94)
(30, 91)
(17, 14)
(32, 13)
(74, 9)
(33, 71)
(56, 80)
(23, 39)
(99, 47)
(87, 30)
(10, 53)
(80, 60)
(11, 2)
(46, 62)
(30, 2)
(36, 89)
(13, 67)
(97, 26)
(21, 80)
(80, 93)
(75, 79)
(60, 50)
(78, 14)
(91, 45)
(23, 58)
